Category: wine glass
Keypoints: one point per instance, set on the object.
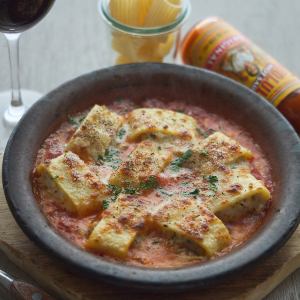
(16, 16)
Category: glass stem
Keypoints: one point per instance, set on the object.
(13, 46)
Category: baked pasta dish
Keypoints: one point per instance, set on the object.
(158, 185)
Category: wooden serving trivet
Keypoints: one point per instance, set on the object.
(58, 280)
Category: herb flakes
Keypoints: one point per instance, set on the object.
(212, 180)
(150, 183)
(116, 190)
(111, 158)
(194, 193)
(130, 191)
(164, 192)
(178, 162)
(105, 204)
(75, 121)
(121, 133)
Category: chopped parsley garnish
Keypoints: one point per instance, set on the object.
(212, 180)
(164, 192)
(116, 190)
(110, 157)
(150, 183)
(178, 162)
(110, 154)
(121, 133)
(72, 121)
(130, 191)
(195, 192)
(105, 204)
(75, 121)
(81, 119)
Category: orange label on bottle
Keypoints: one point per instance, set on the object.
(217, 46)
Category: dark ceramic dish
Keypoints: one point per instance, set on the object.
(216, 94)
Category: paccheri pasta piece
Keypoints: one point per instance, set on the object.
(214, 152)
(233, 193)
(110, 237)
(162, 12)
(119, 226)
(95, 133)
(130, 12)
(146, 121)
(71, 183)
(146, 13)
(192, 222)
(154, 50)
(148, 159)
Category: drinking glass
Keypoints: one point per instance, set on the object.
(155, 39)
(16, 16)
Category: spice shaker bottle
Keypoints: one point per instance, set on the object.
(215, 45)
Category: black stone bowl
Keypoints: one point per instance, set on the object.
(168, 82)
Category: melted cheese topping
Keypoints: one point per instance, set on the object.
(160, 122)
(147, 159)
(95, 133)
(119, 225)
(193, 222)
(215, 151)
(75, 187)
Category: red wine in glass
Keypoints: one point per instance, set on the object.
(19, 15)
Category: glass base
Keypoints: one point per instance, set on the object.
(11, 116)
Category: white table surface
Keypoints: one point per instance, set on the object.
(70, 41)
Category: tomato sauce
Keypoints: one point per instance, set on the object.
(152, 249)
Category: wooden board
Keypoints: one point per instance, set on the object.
(62, 283)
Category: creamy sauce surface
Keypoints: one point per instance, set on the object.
(152, 249)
